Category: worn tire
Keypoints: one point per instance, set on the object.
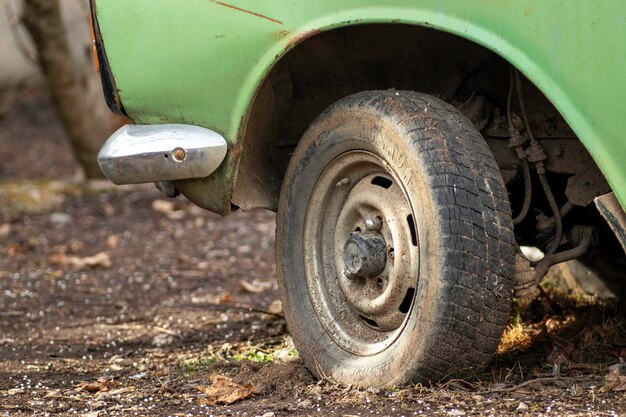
(466, 251)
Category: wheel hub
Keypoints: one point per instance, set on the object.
(365, 255)
(372, 228)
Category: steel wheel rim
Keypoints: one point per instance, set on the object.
(359, 196)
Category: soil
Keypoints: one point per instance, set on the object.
(118, 301)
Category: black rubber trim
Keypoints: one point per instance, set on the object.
(111, 94)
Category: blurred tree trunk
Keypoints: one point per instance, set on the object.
(42, 19)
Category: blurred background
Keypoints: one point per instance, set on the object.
(104, 283)
(46, 49)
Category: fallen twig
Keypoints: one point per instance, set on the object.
(164, 330)
(226, 307)
(532, 381)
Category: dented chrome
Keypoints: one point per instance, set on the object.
(138, 154)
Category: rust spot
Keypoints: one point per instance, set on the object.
(303, 36)
(179, 154)
(250, 12)
(279, 35)
(236, 150)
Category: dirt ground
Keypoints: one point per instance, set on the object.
(118, 301)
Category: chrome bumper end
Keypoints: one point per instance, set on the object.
(138, 154)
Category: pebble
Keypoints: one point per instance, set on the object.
(162, 339)
(522, 407)
(275, 307)
(304, 404)
(60, 218)
(5, 229)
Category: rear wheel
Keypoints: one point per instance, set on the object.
(394, 242)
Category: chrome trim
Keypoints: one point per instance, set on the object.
(138, 154)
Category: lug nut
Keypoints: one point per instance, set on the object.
(344, 181)
(373, 224)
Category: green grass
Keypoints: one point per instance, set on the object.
(239, 352)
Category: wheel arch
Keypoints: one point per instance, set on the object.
(249, 195)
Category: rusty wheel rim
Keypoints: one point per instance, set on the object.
(358, 201)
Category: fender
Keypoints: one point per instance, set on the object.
(202, 61)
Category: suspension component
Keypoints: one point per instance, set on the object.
(584, 236)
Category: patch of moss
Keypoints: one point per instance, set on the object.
(243, 352)
(35, 197)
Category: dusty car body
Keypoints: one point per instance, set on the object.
(542, 81)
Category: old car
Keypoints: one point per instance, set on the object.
(408, 147)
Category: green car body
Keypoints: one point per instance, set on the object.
(202, 62)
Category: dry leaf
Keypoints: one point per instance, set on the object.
(101, 259)
(100, 385)
(16, 391)
(224, 297)
(224, 391)
(522, 407)
(254, 287)
(616, 378)
(122, 390)
(54, 394)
